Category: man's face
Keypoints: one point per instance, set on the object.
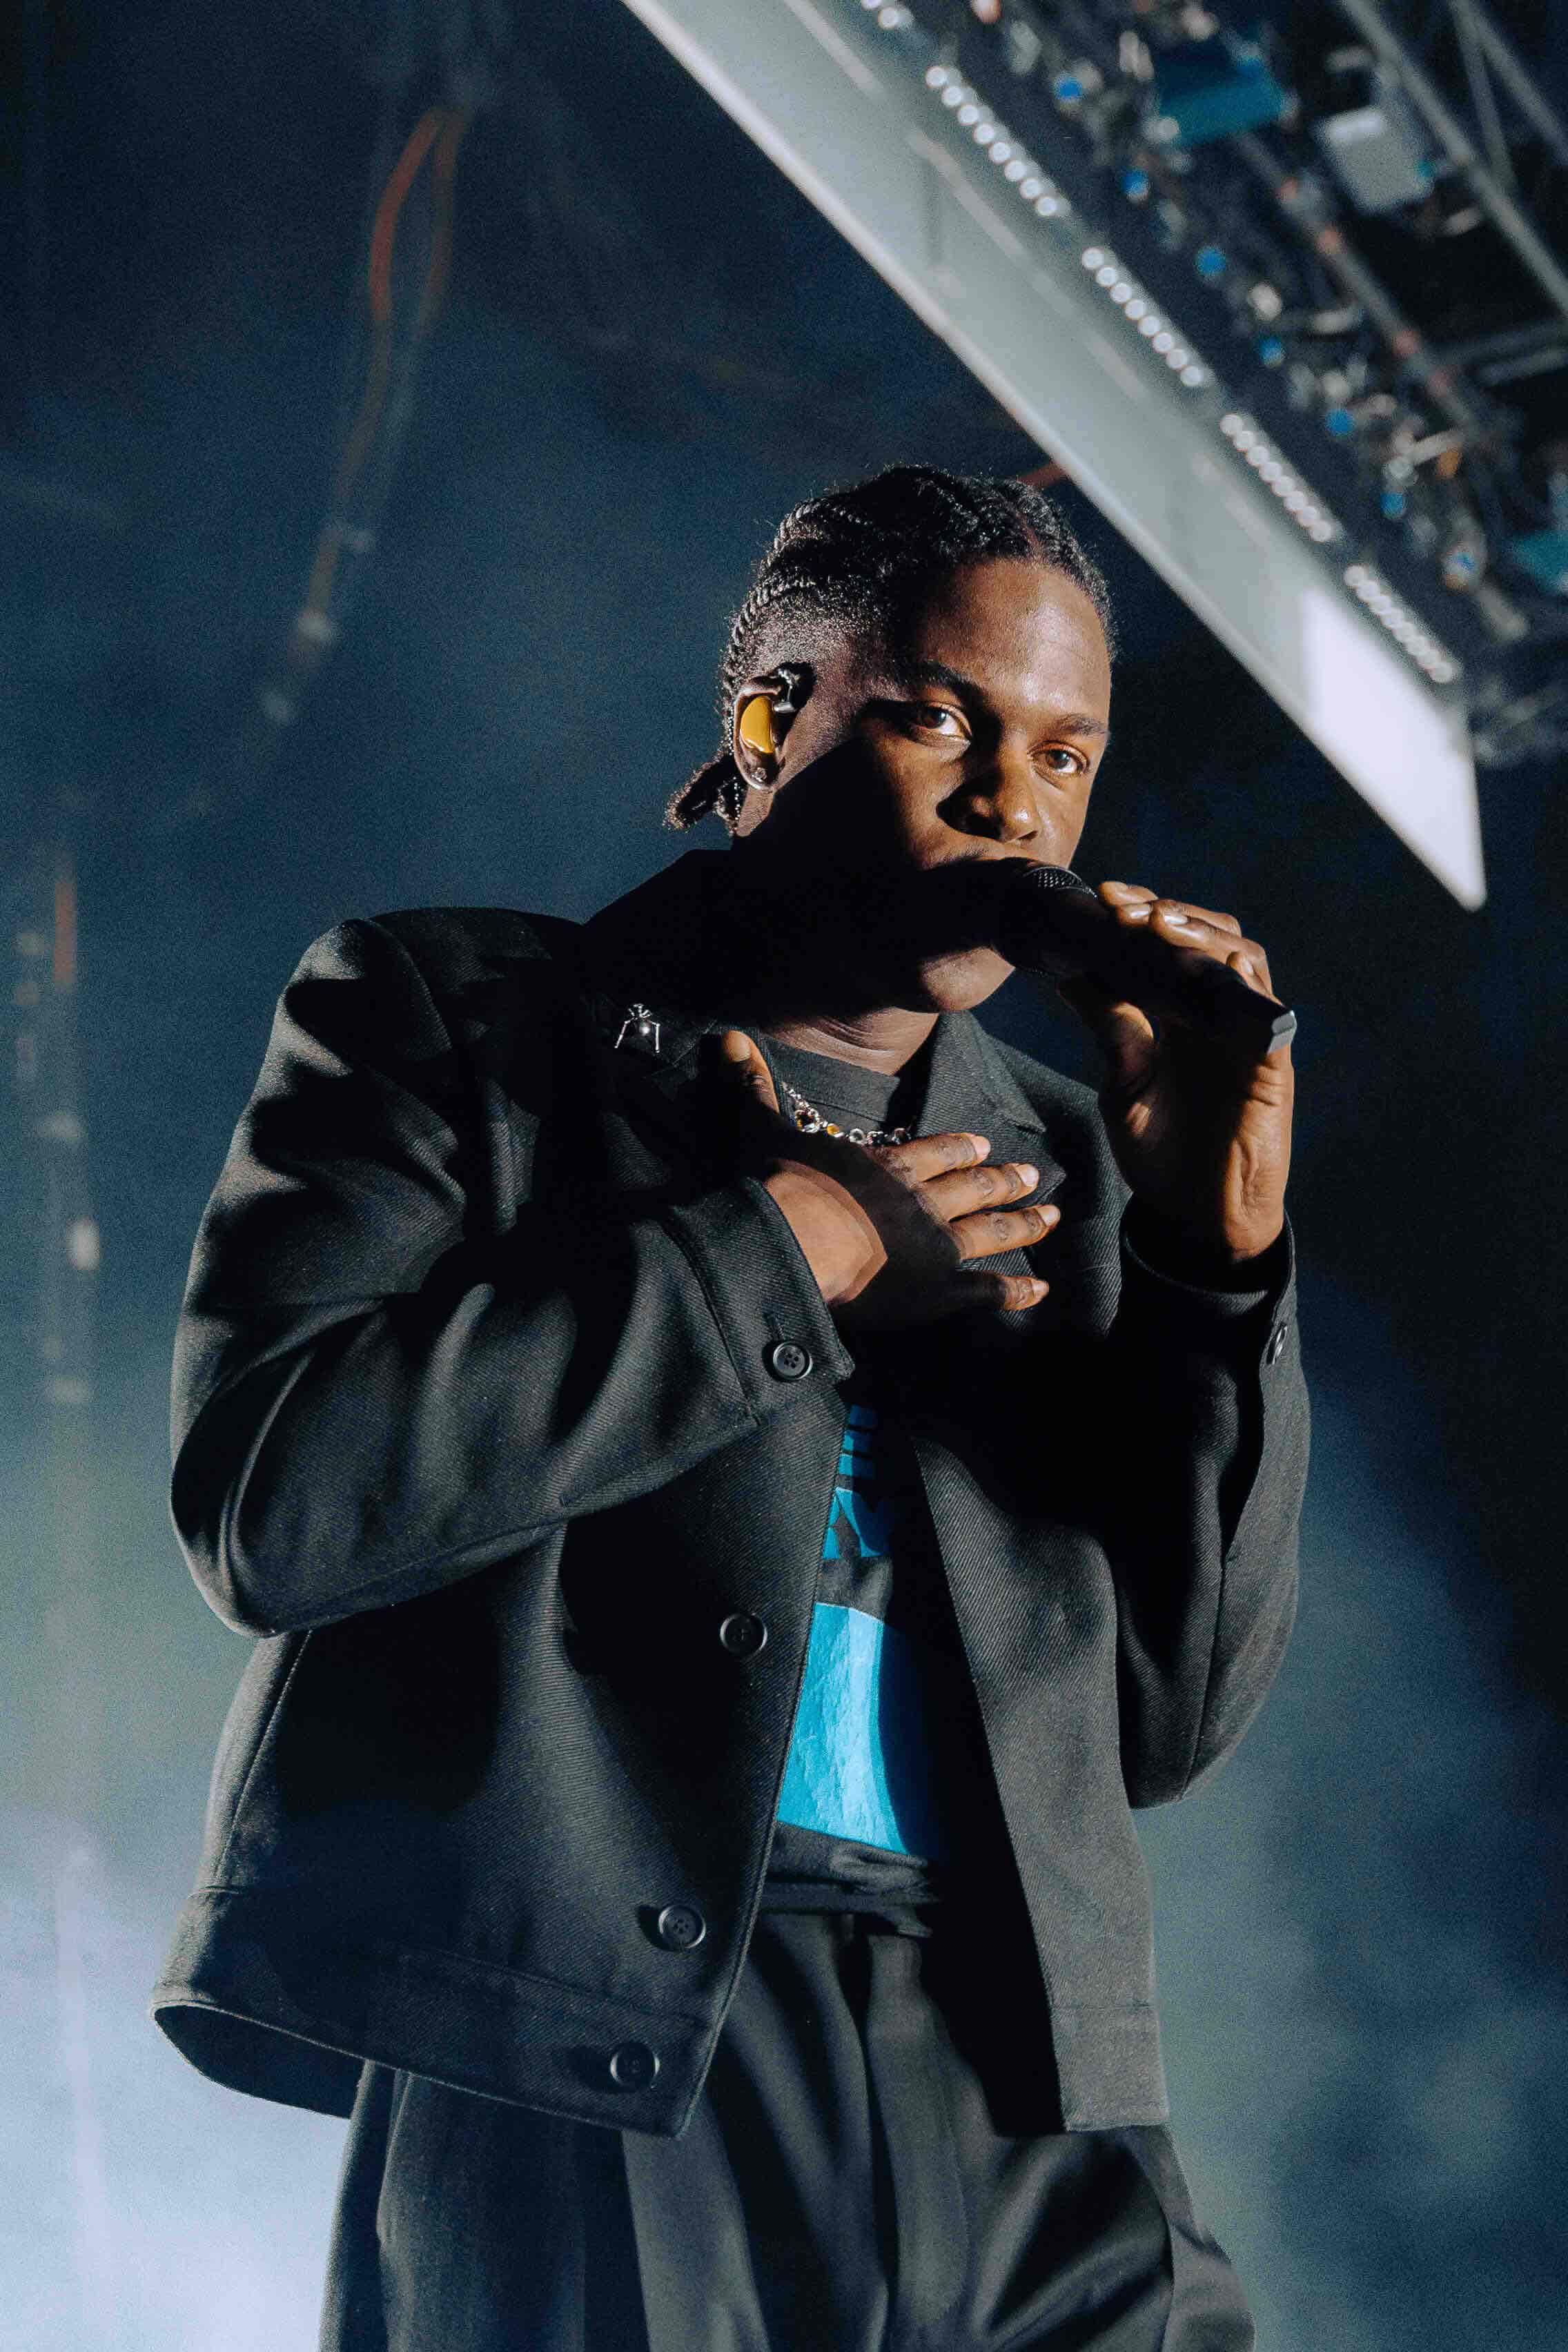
(897, 793)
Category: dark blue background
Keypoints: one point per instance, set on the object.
(652, 348)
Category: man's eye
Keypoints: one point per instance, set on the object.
(937, 715)
(1071, 764)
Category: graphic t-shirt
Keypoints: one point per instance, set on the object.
(887, 1772)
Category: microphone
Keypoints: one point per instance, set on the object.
(1051, 921)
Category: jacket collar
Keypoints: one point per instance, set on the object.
(967, 1076)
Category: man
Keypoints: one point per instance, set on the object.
(722, 1574)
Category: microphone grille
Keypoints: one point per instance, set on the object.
(1018, 930)
(1052, 877)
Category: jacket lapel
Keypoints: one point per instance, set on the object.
(969, 1088)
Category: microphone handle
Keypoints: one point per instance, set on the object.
(1161, 978)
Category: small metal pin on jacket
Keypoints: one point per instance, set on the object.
(642, 1027)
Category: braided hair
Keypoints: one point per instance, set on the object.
(855, 562)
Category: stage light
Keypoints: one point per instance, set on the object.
(1403, 625)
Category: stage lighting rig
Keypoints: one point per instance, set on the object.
(1119, 218)
(1283, 188)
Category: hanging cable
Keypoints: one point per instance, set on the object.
(442, 128)
(363, 476)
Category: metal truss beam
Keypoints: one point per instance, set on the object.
(1494, 199)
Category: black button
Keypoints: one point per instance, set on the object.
(680, 1927)
(633, 2066)
(742, 1634)
(788, 1361)
(1276, 1347)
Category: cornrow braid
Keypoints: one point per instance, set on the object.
(855, 561)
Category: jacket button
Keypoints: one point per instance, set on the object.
(742, 1634)
(680, 1927)
(1276, 1347)
(633, 2066)
(788, 1361)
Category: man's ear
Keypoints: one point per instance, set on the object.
(761, 716)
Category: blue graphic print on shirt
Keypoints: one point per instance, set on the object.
(862, 1759)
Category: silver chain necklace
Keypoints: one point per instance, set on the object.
(811, 1121)
(640, 1026)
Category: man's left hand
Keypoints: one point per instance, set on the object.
(1201, 1134)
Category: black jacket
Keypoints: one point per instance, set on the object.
(505, 1416)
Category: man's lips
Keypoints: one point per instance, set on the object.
(961, 902)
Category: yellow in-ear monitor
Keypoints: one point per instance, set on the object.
(767, 718)
(757, 726)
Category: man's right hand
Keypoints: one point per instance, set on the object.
(894, 1236)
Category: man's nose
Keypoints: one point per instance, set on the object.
(1000, 804)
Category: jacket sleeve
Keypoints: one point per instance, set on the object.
(1204, 1392)
(374, 1392)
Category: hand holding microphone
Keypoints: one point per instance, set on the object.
(1198, 1112)
(1148, 951)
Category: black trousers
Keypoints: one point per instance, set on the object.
(854, 2180)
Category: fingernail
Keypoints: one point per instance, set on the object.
(980, 1145)
(1031, 1176)
(1177, 922)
